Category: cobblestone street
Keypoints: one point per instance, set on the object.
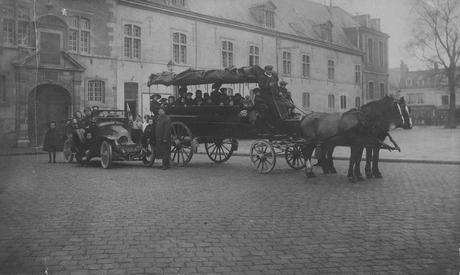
(225, 219)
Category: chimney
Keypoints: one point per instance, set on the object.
(362, 19)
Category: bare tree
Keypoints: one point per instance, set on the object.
(436, 36)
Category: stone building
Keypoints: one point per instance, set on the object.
(425, 91)
(101, 52)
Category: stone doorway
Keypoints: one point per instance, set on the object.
(47, 102)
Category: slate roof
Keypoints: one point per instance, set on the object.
(296, 17)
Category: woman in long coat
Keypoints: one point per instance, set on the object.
(163, 138)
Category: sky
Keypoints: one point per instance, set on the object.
(395, 16)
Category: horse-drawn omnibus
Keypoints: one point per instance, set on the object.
(220, 127)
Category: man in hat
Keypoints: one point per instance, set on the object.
(268, 84)
(286, 104)
(163, 138)
(154, 103)
(216, 95)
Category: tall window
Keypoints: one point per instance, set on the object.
(227, 54)
(306, 100)
(343, 102)
(381, 53)
(370, 91)
(415, 98)
(357, 74)
(287, 63)
(2, 89)
(180, 48)
(269, 19)
(445, 100)
(331, 101)
(16, 25)
(305, 65)
(253, 55)
(330, 70)
(382, 89)
(370, 55)
(132, 41)
(357, 102)
(96, 90)
(79, 34)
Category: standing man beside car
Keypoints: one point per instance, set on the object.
(163, 138)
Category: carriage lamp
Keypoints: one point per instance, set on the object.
(170, 66)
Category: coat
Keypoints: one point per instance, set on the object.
(52, 141)
(149, 135)
(163, 137)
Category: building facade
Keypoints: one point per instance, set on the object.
(426, 93)
(102, 52)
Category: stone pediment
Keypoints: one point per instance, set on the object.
(60, 61)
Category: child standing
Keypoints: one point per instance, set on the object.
(51, 142)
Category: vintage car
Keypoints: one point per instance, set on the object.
(112, 141)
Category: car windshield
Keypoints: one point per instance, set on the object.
(109, 114)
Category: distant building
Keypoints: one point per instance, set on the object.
(101, 52)
(425, 91)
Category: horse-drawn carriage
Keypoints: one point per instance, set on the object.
(220, 127)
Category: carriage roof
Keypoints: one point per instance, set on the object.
(248, 74)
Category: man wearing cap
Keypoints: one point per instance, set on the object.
(268, 84)
(154, 103)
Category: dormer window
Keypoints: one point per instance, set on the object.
(324, 31)
(269, 19)
(264, 14)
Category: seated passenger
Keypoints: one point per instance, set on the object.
(238, 100)
(224, 97)
(230, 101)
(209, 102)
(180, 101)
(171, 101)
(216, 95)
(198, 100)
(188, 99)
(247, 102)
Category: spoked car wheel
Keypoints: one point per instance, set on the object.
(106, 155)
(220, 150)
(294, 157)
(263, 156)
(67, 150)
(181, 144)
(149, 157)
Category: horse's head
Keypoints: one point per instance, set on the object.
(385, 112)
(405, 113)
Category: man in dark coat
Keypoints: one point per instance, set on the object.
(52, 141)
(216, 95)
(163, 138)
(148, 138)
(90, 146)
(154, 102)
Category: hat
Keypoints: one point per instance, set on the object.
(158, 96)
(268, 68)
(283, 83)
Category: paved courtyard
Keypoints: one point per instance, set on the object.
(226, 219)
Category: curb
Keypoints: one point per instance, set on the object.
(443, 162)
(21, 154)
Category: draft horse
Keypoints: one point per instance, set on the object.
(354, 128)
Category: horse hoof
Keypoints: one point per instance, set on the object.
(333, 171)
(369, 175)
(326, 172)
(359, 178)
(351, 180)
(378, 175)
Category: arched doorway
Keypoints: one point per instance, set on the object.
(47, 102)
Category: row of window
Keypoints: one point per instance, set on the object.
(371, 93)
(330, 101)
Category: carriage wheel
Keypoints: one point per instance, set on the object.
(149, 158)
(106, 155)
(262, 156)
(220, 150)
(294, 157)
(67, 150)
(181, 144)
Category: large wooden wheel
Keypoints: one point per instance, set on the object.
(181, 144)
(106, 155)
(263, 156)
(294, 157)
(220, 150)
(67, 150)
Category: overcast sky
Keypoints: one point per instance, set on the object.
(394, 20)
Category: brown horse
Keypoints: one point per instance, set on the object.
(353, 128)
